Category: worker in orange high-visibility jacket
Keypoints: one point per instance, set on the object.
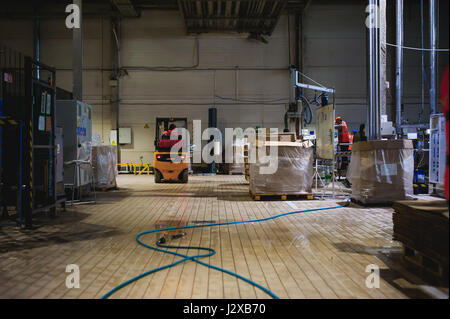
(445, 110)
(343, 136)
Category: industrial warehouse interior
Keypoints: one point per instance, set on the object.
(224, 150)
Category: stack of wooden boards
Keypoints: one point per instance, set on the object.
(246, 164)
(294, 167)
(423, 228)
(104, 161)
(382, 171)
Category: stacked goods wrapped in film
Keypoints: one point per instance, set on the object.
(382, 171)
(292, 170)
(104, 161)
(423, 225)
(238, 165)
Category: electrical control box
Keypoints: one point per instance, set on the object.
(59, 142)
(125, 135)
(75, 117)
(437, 149)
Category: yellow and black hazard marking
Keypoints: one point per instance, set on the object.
(340, 154)
(8, 122)
(31, 164)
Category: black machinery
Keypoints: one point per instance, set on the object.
(27, 137)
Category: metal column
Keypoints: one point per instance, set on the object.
(433, 46)
(374, 74)
(399, 67)
(77, 59)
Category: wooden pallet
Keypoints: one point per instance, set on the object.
(360, 203)
(427, 264)
(279, 196)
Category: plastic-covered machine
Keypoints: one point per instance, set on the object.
(382, 171)
(104, 161)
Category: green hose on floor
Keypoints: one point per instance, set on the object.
(160, 242)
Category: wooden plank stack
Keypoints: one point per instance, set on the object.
(423, 228)
(246, 164)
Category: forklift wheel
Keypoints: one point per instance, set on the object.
(185, 176)
(158, 176)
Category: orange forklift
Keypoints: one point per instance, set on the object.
(166, 166)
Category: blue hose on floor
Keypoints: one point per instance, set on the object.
(211, 251)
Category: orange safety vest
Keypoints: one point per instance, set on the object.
(343, 136)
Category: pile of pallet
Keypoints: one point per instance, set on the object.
(423, 228)
(293, 162)
(246, 164)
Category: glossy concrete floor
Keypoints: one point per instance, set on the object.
(322, 254)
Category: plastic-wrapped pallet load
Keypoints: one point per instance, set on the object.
(381, 171)
(294, 173)
(104, 161)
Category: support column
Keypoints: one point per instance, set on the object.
(375, 73)
(37, 43)
(383, 54)
(399, 67)
(77, 60)
(433, 46)
(115, 91)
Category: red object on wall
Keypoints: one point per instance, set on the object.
(444, 102)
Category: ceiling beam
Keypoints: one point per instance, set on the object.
(126, 8)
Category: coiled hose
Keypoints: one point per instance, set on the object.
(159, 247)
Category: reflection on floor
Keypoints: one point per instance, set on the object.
(321, 254)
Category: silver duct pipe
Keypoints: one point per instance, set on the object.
(399, 67)
(433, 46)
(374, 74)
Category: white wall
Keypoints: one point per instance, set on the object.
(159, 39)
(334, 54)
(230, 65)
